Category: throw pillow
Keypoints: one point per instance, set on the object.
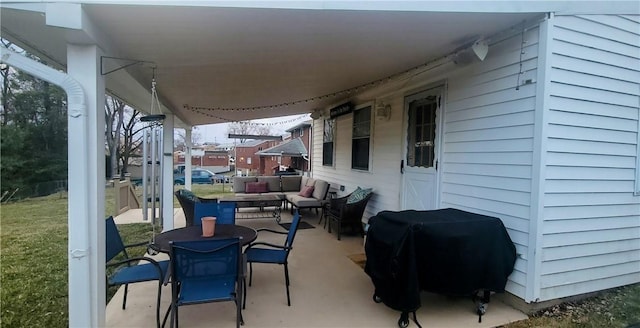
(306, 191)
(358, 195)
(256, 187)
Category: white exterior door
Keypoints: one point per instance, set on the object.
(419, 165)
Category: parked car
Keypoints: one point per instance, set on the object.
(197, 176)
(221, 178)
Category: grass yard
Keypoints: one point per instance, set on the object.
(33, 270)
(617, 308)
(33, 257)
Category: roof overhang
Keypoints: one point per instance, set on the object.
(228, 61)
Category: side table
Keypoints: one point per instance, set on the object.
(332, 194)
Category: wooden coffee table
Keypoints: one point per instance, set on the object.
(258, 201)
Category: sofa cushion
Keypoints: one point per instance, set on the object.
(306, 191)
(291, 183)
(306, 181)
(320, 189)
(358, 195)
(300, 201)
(256, 187)
(273, 182)
(239, 183)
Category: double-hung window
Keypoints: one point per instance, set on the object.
(328, 137)
(360, 142)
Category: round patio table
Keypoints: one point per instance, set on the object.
(161, 243)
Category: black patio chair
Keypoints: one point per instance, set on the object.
(346, 213)
(187, 200)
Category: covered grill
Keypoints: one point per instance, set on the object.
(445, 251)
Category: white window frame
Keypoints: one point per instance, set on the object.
(333, 141)
(371, 119)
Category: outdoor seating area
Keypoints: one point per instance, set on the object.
(328, 288)
(298, 191)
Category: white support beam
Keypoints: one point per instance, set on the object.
(187, 158)
(86, 192)
(167, 173)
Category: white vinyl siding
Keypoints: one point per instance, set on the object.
(487, 158)
(591, 218)
(556, 160)
(384, 170)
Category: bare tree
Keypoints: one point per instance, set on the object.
(7, 87)
(180, 137)
(248, 128)
(132, 139)
(114, 117)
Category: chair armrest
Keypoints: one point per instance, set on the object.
(271, 230)
(338, 202)
(266, 244)
(156, 264)
(135, 259)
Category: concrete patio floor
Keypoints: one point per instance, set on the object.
(327, 290)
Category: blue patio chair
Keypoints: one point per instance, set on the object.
(274, 254)
(226, 213)
(201, 210)
(206, 271)
(126, 271)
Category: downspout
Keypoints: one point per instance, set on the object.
(79, 247)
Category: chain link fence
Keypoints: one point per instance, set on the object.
(37, 190)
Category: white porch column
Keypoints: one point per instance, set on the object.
(86, 192)
(167, 172)
(187, 158)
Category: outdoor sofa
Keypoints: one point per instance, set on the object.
(299, 191)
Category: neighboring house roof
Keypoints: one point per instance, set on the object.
(292, 148)
(226, 145)
(250, 143)
(299, 126)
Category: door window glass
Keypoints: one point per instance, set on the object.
(422, 132)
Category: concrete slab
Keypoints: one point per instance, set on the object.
(327, 290)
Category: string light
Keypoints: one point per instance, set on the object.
(356, 89)
(411, 72)
(289, 121)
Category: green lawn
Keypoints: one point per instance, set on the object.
(33, 270)
(33, 257)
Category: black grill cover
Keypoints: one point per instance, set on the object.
(445, 251)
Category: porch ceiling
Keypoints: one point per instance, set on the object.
(233, 59)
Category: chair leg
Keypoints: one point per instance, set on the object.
(250, 273)
(124, 299)
(177, 324)
(244, 293)
(174, 315)
(166, 315)
(286, 278)
(339, 228)
(158, 303)
(239, 320)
